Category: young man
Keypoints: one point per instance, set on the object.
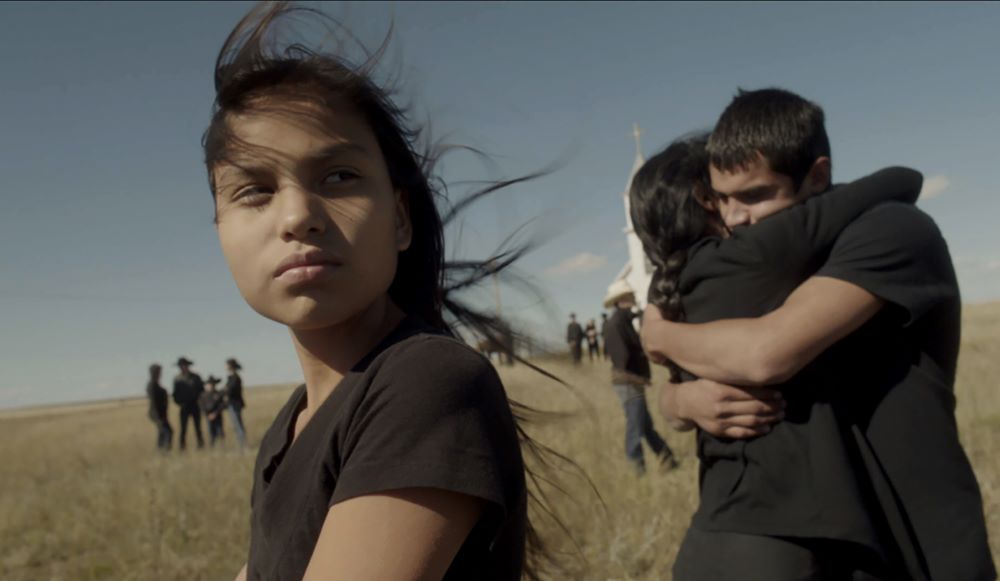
(883, 313)
(630, 376)
(188, 387)
(158, 401)
(574, 338)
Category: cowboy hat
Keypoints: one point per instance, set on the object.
(617, 291)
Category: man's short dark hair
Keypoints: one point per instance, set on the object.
(786, 129)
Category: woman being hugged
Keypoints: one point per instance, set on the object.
(399, 457)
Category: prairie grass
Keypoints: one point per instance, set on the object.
(84, 495)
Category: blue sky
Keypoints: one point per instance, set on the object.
(109, 259)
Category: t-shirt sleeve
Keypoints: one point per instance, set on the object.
(435, 416)
(896, 252)
(789, 240)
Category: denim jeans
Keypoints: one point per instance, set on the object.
(215, 431)
(194, 414)
(164, 434)
(236, 414)
(639, 426)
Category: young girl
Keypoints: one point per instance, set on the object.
(399, 457)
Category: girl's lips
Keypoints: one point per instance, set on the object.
(307, 273)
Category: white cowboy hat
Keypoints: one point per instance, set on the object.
(616, 291)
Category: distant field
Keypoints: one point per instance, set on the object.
(84, 495)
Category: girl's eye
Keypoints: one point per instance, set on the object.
(340, 176)
(252, 195)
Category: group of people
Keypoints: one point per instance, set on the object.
(194, 400)
(577, 337)
(811, 336)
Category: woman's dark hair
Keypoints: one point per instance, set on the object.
(252, 73)
(665, 203)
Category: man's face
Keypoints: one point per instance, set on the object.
(626, 302)
(748, 194)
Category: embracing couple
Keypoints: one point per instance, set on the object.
(812, 332)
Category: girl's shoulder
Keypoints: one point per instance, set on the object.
(435, 357)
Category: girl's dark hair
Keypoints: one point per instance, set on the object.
(669, 219)
(252, 73)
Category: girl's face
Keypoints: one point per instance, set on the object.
(308, 219)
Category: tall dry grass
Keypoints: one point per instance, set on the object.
(84, 495)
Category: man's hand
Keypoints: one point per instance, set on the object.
(722, 410)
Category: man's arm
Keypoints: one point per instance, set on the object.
(768, 349)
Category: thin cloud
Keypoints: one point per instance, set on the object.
(934, 186)
(578, 264)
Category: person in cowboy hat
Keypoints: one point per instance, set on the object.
(188, 387)
(212, 403)
(630, 375)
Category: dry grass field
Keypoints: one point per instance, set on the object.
(83, 495)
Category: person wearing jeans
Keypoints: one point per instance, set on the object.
(630, 375)
(234, 399)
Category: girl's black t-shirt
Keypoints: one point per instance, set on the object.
(421, 410)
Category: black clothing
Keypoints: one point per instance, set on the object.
(721, 556)
(234, 391)
(574, 336)
(574, 333)
(158, 401)
(868, 447)
(192, 414)
(604, 337)
(420, 410)
(593, 348)
(904, 410)
(628, 360)
(187, 390)
(212, 404)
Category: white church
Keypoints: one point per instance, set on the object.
(638, 271)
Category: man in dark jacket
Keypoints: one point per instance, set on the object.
(574, 337)
(630, 375)
(604, 335)
(188, 387)
(158, 401)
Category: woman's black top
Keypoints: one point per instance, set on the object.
(421, 410)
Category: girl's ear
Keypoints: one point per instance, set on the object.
(404, 227)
